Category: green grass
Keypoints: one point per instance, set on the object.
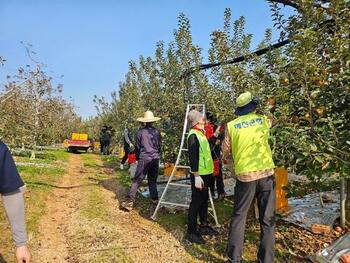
(40, 181)
(124, 178)
(48, 156)
(88, 160)
(110, 160)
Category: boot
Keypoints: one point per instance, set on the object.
(206, 230)
(195, 238)
(127, 205)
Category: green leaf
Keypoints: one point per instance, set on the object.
(313, 147)
(319, 159)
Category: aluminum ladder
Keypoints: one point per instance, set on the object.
(162, 202)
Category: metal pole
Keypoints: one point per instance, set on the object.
(342, 202)
(213, 208)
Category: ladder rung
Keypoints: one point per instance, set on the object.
(191, 105)
(175, 204)
(185, 150)
(183, 166)
(181, 185)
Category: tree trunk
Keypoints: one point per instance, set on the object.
(347, 202)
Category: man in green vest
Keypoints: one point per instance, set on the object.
(201, 175)
(246, 140)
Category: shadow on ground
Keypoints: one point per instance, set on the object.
(57, 186)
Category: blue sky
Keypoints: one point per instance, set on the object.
(91, 42)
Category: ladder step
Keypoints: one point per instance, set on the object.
(175, 204)
(191, 105)
(185, 150)
(180, 185)
(183, 166)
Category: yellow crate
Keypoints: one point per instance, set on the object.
(97, 145)
(281, 176)
(168, 169)
(121, 153)
(79, 136)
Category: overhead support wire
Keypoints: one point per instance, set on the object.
(258, 52)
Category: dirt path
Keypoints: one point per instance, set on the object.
(83, 223)
(64, 200)
(146, 240)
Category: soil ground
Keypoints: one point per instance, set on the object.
(83, 223)
(73, 216)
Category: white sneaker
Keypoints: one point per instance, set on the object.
(121, 167)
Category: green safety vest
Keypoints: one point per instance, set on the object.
(206, 165)
(249, 143)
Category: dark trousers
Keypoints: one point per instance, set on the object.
(126, 151)
(101, 146)
(219, 181)
(245, 192)
(105, 147)
(149, 168)
(199, 204)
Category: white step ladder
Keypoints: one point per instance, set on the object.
(162, 202)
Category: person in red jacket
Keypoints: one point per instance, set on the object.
(215, 135)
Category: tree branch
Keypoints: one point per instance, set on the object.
(285, 2)
(294, 5)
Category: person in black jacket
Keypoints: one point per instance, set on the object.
(148, 152)
(201, 164)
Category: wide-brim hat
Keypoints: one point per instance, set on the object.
(245, 104)
(148, 117)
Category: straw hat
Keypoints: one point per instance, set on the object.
(148, 117)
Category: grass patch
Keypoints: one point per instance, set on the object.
(124, 178)
(40, 181)
(44, 156)
(60, 154)
(88, 160)
(110, 160)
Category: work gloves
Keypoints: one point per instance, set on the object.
(198, 182)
